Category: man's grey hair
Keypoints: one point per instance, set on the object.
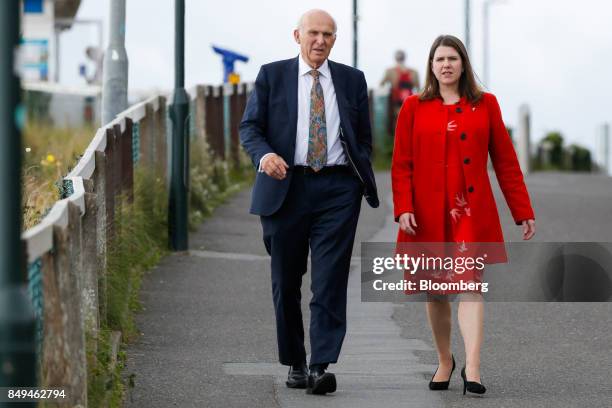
(300, 23)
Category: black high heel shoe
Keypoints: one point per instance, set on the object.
(441, 385)
(472, 386)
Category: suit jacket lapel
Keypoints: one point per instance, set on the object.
(339, 83)
(339, 87)
(291, 86)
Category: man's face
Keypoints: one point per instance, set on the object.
(316, 38)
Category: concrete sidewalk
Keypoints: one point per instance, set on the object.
(208, 332)
(209, 340)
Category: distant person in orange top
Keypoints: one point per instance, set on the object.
(404, 82)
(442, 192)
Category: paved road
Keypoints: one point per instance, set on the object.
(208, 336)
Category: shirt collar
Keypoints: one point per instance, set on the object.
(304, 68)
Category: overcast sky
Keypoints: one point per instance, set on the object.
(554, 55)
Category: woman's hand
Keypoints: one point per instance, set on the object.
(529, 229)
(407, 222)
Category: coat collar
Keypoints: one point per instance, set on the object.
(462, 102)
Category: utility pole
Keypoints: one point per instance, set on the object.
(485, 43)
(603, 149)
(17, 321)
(485, 40)
(355, 32)
(115, 71)
(179, 176)
(467, 25)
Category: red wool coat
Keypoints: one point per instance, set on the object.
(418, 171)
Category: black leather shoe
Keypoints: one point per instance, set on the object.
(298, 376)
(320, 382)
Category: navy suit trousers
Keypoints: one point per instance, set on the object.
(319, 214)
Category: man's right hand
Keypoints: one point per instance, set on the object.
(274, 166)
(407, 222)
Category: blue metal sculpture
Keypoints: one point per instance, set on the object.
(229, 57)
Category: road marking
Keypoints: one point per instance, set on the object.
(241, 256)
(233, 256)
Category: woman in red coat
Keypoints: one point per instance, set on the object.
(442, 192)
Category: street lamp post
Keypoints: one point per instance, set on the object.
(485, 39)
(178, 206)
(17, 323)
(467, 25)
(115, 69)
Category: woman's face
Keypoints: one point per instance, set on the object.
(447, 66)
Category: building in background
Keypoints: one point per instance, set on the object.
(42, 23)
(45, 98)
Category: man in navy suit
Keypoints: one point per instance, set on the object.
(307, 129)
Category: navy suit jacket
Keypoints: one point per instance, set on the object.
(269, 124)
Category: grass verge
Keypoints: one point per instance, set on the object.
(140, 242)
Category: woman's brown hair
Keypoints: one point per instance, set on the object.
(467, 82)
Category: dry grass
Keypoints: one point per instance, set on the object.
(49, 154)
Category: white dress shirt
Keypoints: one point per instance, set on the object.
(335, 153)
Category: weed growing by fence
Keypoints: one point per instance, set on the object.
(48, 155)
(212, 180)
(140, 240)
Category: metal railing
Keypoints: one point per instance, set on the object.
(67, 251)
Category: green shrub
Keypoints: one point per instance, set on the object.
(212, 180)
(139, 242)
